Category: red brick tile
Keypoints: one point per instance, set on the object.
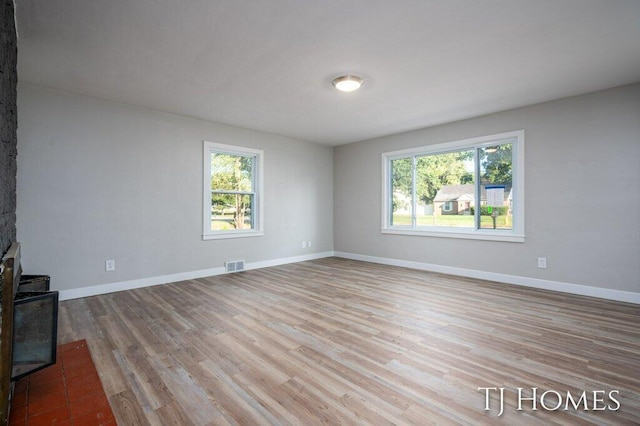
(90, 377)
(51, 417)
(70, 388)
(71, 346)
(42, 390)
(84, 389)
(90, 403)
(21, 386)
(44, 375)
(74, 349)
(57, 365)
(73, 359)
(21, 422)
(80, 370)
(39, 389)
(18, 415)
(82, 349)
(19, 399)
(46, 403)
(97, 418)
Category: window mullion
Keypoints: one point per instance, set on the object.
(476, 178)
(222, 191)
(413, 193)
(389, 181)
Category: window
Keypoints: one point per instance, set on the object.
(232, 191)
(472, 188)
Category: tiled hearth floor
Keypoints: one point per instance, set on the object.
(67, 393)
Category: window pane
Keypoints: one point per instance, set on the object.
(496, 170)
(401, 190)
(445, 189)
(469, 188)
(231, 172)
(231, 211)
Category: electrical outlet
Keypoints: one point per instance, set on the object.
(309, 244)
(110, 265)
(542, 262)
(304, 244)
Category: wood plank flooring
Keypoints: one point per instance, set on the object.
(335, 341)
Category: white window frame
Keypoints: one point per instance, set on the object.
(448, 204)
(516, 234)
(258, 207)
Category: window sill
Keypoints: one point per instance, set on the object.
(488, 235)
(232, 234)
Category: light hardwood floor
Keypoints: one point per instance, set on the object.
(336, 341)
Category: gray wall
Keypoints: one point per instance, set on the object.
(8, 81)
(100, 180)
(582, 194)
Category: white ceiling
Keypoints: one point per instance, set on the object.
(268, 64)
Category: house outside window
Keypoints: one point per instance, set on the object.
(232, 196)
(473, 188)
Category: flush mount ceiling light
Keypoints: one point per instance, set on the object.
(348, 83)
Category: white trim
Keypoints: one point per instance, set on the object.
(286, 260)
(455, 145)
(95, 290)
(583, 290)
(480, 234)
(232, 234)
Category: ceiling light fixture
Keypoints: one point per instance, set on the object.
(348, 83)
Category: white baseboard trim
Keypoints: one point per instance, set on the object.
(603, 293)
(583, 290)
(284, 261)
(77, 293)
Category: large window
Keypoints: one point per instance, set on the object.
(472, 188)
(232, 191)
